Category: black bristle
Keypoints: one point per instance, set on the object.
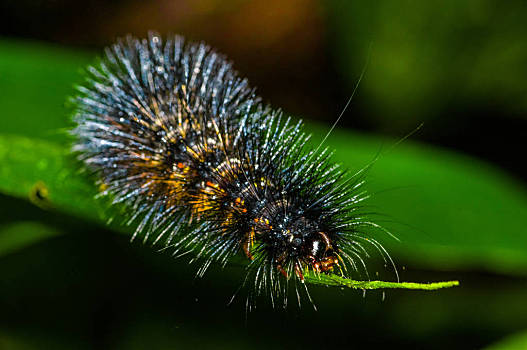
(177, 136)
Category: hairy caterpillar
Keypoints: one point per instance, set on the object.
(202, 164)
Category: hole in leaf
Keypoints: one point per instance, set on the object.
(39, 195)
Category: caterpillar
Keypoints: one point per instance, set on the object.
(203, 165)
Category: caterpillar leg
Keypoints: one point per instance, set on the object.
(282, 271)
(298, 272)
(247, 245)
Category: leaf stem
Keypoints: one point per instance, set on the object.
(334, 280)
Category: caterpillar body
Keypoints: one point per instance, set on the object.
(202, 165)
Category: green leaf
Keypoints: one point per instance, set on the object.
(514, 342)
(47, 175)
(18, 235)
(35, 80)
(449, 211)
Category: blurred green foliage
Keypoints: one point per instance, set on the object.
(430, 58)
(35, 82)
(456, 217)
(516, 341)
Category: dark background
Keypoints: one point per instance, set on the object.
(457, 67)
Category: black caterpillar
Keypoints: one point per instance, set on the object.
(175, 134)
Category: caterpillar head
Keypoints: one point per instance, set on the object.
(297, 243)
